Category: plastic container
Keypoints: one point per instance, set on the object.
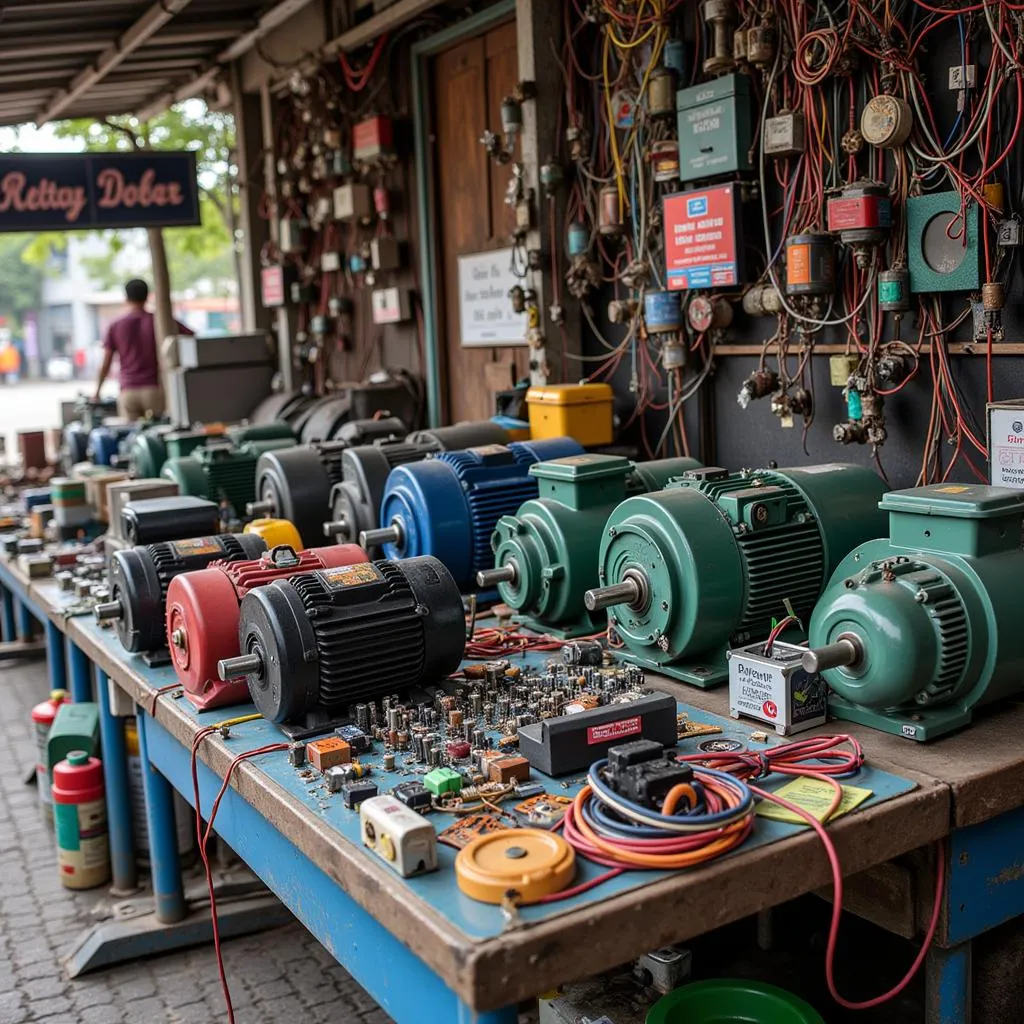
(275, 532)
(580, 411)
(730, 1001)
(80, 818)
(43, 715)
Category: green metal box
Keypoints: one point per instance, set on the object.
(76, 727)
(715, 128)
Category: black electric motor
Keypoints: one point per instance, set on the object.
(175, 517)
(355, 501)
(140, 576)
(318, 642)
(295, 483)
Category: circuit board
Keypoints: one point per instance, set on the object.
(439, 888)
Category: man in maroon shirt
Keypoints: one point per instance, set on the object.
(133, 338)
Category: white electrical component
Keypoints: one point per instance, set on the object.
(353, 202)
(330, 261)
(385, 253)
(403, 839)
(963, 76)
(292, 235)
(390, 305)
(784, 134)
(774, 688)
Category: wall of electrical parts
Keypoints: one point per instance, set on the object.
(786, 219)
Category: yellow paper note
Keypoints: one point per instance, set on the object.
(814, 796)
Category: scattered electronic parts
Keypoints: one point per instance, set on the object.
(398, 835)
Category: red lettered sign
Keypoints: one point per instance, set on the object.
(613, 730)
(701, 249)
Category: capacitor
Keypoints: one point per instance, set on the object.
(739, 46)
(661, 100)
(721, 16)
(511, 116)
(706, 313)
(551, 177)
(610, 211)
(663, 313)
(673, 56)
(762, 300)
(993, 297)
(810, 264)
(759, 384)
(394, 719)
(577, 240)
(761, 45)
(673, 354)
(382, 202)
(894, 290)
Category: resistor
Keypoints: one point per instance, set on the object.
(388, 762)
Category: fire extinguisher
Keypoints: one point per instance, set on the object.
(80, 818)
(42, 718)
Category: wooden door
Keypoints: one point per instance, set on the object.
(469, 82)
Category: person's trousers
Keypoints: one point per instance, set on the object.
(134, 403)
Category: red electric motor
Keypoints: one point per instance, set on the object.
(202, 614)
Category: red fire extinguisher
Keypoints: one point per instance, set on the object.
(42, 718)
(80, 817)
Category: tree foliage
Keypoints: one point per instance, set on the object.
(20, 282)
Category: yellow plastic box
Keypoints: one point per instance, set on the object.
(580, 411)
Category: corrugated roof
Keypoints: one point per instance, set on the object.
(94, 58)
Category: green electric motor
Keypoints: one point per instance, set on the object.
(545, 556)
(717, 557)
(914, 632)
(152, 447)
(222, 472)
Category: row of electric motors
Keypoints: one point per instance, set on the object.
(910, 632)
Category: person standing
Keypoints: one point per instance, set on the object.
(133, 338)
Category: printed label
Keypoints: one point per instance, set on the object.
(81, 836)
(613, 730)
(350, 575)
(1006, 440)
(196, 546)
(489, 449)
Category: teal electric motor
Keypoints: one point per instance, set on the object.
(916, 631)
(153, 446)
(716, 557)
(545, 555)
(223, 471)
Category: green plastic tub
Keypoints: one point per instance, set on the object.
(730, 1001)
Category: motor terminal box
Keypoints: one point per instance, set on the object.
(403, 839)
(715, 128)
(570, 743)
(774, 688)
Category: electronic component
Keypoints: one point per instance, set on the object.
(520, 864)
(810, 264)
(176, 517)
(292, 233)
(569, 743)
(448, 506)
(319, 642)
(544, 554)
(297, 754)
(721, 16)
(583, 652)
(894, 291)
(399, 836)
(886, 121)
(896, 630)
(785, 134)
(462, 832)
(760, 384)
(663, 312)
(414, 795)
(385, 253)
(443, 780)
(715, 127)
(355, 738)
(353, 202)
(390, 305)
(354, 793)
(140, 577)
(373, 138)
(505, 770)
(940, 256)
(648, 781)
(203, 610)
(707, 542)
(861, 214)
(328, 753)
(774, 687)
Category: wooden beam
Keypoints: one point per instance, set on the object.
(397, 14)
(956, 348)
(127, 43)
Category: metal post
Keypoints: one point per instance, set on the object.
(55, 658)
(10, 633)
(948, 985)
(80, 671)
(163, 839)
(25, 621)
(119, 804)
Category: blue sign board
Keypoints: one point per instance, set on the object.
(65, 191)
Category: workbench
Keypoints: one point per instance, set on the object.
(424, 961)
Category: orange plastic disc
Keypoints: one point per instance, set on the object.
(528, 861)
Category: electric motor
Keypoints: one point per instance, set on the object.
(915, 631)
(140, 576)
(355, 502)
(203, 613)
(316, 643)
(295, 483)
(717, 556)
(545, 555)
(104, 443)
(449, 505)
(222, 472)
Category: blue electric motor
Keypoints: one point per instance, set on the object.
(104, 443)
(449, 505)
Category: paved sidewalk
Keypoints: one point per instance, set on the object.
(279, 975)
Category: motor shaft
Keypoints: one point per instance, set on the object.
(847, 650)
(108, 611)
(243, 665)
(626, 592)
(337, 527)
(259, 508)
(507, 573)
(377, 538)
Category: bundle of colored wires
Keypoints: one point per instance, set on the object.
(697, 822)
(493, 642)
